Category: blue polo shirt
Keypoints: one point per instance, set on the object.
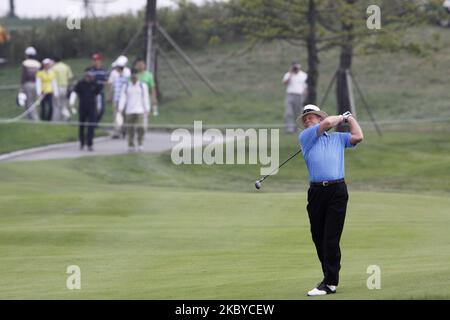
(324, 155)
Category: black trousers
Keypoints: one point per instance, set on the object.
(326, 210)
(47, 107)
(101, 110)
(87, 115)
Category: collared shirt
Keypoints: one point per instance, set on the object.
(134, 98)
(119, 82)
(100, 74)
(147, 78)
(29, 69)
(114, 74)
(63, 73)
(46, 82)
(87, 91)
(324, 154)
(297, 82)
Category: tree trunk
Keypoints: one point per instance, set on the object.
(313, 57)
(12, 10)
(159, 94)
(150, 43)
(345, 63)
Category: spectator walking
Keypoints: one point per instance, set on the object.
(30, 66)
(86, 90)
(118, 78)
(46, 87)
(116, 73)
(63, 74)
(296, 90)
(101, 77)
(135, 102)
(146, 77)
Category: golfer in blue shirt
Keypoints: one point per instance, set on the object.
(327, 196)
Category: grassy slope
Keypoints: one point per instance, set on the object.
(152, 242)
(399, 161)
(21, 136)
(397, 86)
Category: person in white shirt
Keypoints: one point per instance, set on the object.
(115, 74)
(296, 90)
(118, 76)
(30, 66)
(444, 21)
(446, 6)
(135, 102)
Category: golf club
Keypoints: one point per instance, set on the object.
(258, 182)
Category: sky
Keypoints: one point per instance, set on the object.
(61, 8)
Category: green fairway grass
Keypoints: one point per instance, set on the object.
(140, 227)
(23, 135)
(154, 243)
(399, 161)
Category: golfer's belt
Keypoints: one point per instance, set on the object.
(326, 183)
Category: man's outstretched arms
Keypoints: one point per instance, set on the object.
(328, 123)
(355, 130)
(332, 121)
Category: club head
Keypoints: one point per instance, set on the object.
(258, 184)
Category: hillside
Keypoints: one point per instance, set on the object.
(399, 87)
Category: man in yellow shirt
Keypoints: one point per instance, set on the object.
(63, 74)
(46, 87)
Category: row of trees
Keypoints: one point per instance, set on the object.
(320, 25)
(317, 25)
(191, 26)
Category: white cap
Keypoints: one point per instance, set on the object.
(47, 61)
(121, 61)
(30, 51)
(310, 107)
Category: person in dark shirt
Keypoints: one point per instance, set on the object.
(87, 90)
(101, 76)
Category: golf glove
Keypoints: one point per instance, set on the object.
(155, 110)
(72, 98)
(346, 115)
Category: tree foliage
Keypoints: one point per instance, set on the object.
(190, 25)
(321, 25)
(268, 20)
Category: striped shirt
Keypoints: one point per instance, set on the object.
(117, 87)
